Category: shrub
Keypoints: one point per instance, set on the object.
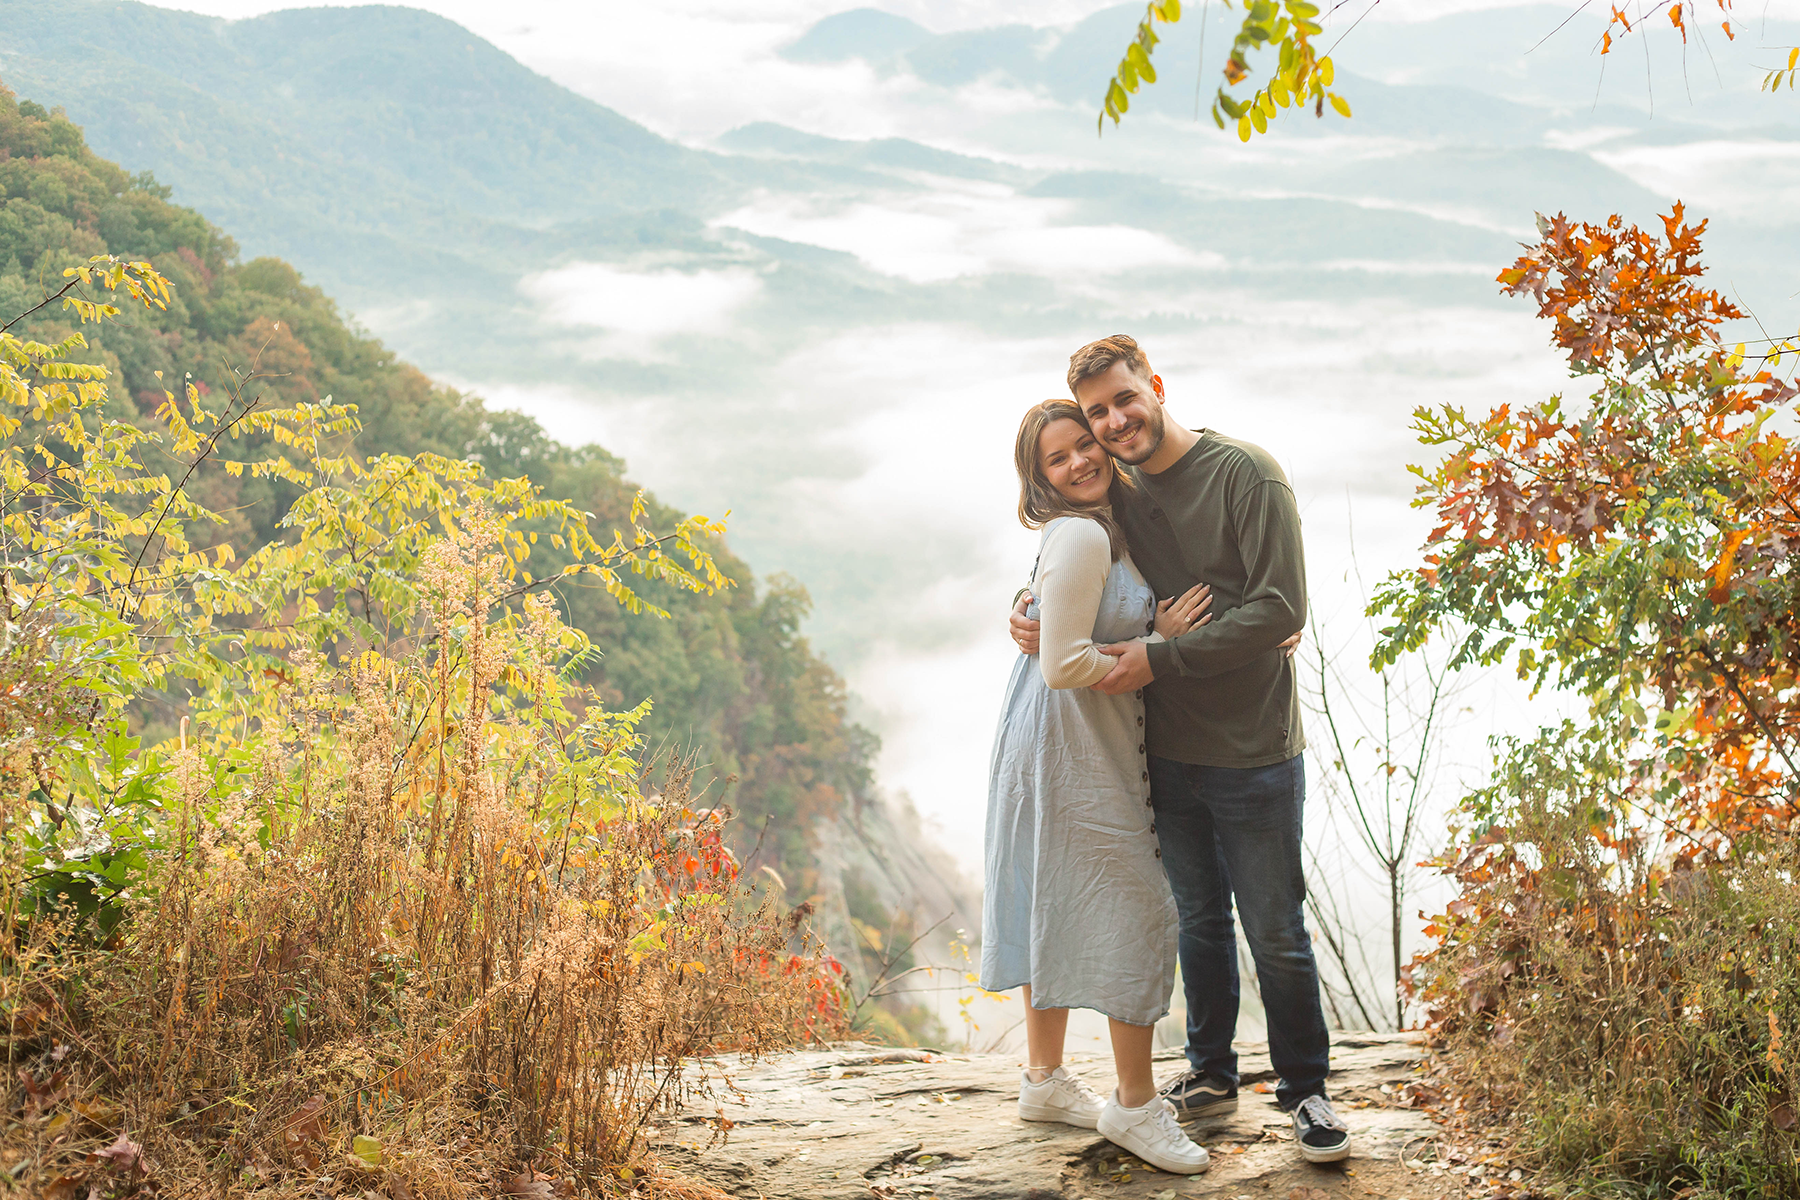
(1629, 1022)
(398, 903)
(1617, 975)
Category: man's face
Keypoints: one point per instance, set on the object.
(1124, 410)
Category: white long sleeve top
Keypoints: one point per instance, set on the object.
(1071, 575)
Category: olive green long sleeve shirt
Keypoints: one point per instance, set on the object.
(1223, 514)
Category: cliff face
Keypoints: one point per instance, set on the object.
(861, 1121)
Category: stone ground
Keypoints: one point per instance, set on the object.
(861, 1121)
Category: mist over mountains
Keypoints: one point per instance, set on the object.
(827, 316)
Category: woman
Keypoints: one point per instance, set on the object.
(1078, 911)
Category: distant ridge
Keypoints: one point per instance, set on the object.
(413, 98)
(769, 138)
(866, 33)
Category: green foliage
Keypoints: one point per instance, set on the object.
(1300, 76)
(733, 680)
(1135, 66)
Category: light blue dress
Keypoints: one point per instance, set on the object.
(1076, 903)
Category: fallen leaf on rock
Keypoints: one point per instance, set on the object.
(1167, 1194)
(1265, 1087)
(1306, 1193)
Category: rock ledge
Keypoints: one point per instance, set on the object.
(857, 1120)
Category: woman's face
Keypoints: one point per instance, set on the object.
(1074, 463)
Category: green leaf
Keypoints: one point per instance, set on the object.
(367, 1149)
(1137, 58)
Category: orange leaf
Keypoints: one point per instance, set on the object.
(1721, 571)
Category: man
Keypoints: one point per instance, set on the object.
(1222, 711)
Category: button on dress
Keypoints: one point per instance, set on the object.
(1076, 903)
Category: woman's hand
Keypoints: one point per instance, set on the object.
(1178, 614)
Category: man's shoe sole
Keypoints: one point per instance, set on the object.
(1212, 1108)
(1059, 1115)
(1327, 1154)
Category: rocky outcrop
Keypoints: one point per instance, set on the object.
(857, 1121)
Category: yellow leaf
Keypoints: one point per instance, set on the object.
(1243, 129)
(1342, 105)
(1325, 70)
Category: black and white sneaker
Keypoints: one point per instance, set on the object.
(1196, 1094)
(1321, 1133)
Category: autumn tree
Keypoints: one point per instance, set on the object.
(1634, 544)
(1617, 973)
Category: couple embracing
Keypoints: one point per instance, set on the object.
(1147, 770)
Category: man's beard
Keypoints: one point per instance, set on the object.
(1152, 436)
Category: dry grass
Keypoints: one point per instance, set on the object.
(417, 928)
(1629, 1027)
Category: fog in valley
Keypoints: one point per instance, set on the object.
(899, 223)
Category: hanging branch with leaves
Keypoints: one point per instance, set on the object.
(1135, 66)
(1772, 81)
(1301, 77)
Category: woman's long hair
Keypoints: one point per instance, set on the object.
(1039, 502)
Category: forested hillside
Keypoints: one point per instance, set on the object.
(731, 677)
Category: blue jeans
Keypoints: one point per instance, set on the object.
(1235, 832)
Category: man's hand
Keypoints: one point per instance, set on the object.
(1130, 673)
(1024, 630)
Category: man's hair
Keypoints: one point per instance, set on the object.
(1097, 358)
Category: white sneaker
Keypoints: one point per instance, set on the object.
(1062, 1097)
(1152, 1134)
